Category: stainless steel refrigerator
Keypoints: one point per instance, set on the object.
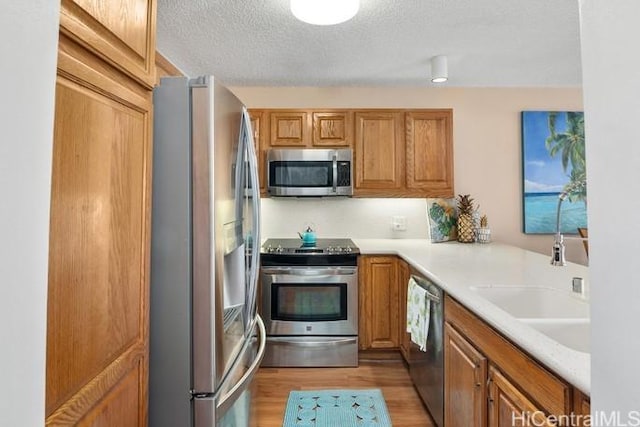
(206, 339)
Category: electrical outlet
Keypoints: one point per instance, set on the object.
(399, 223)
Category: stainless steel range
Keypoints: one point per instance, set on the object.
(310, 302)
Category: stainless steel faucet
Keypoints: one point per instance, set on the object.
(557, 251)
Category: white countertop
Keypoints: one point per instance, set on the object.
(457, 266)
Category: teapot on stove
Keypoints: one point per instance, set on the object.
(308, 236)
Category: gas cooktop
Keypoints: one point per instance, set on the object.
(320, 247)
(330, 252)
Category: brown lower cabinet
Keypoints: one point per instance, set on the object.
(509, 407)
(379, 305)
(490, 382)
(465, 373)
(405, 338)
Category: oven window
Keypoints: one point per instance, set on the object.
(301, 174)
(309, 302)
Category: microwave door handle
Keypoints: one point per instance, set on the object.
(335, 172)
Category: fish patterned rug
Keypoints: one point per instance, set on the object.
(336, 408)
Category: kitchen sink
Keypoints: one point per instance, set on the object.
(535, 302)
(574, 334)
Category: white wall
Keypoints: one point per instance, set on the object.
(28, 48)
(610, 62)
(487, 145)
(344, 217)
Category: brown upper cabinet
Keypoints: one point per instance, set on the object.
(122, 32)
(257, 123)
(309, 128)
(379, 158)
(397, 153)
(429, 152)
(290, 129)
(332, 129)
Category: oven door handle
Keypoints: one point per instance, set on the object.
(315, 272)
(334, 342)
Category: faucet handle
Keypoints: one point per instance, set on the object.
(557, 252)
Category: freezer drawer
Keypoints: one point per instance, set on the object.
(311, 351)
(234, 404)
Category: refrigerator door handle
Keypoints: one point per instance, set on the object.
(232, 395)
(255, 199)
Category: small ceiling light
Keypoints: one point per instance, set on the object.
(324, 12)
(439, 71)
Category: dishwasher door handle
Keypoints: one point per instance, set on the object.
(433, 297)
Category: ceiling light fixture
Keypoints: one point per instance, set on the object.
(324, 12)
(439, 70)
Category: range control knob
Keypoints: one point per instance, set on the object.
(330, 249)
(268, 249)
(348, 249)
(279, 249)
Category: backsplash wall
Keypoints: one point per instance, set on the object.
(343, 217)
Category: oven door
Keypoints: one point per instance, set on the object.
(310, 300)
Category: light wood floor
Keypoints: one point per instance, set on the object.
(391, 376)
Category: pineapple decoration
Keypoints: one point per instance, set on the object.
(466, 228)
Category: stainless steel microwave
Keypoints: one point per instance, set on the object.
(301, 172)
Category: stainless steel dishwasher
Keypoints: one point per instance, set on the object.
(426, 368)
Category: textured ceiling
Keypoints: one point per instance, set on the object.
(489, 43)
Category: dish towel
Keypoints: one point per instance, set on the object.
(418, 310)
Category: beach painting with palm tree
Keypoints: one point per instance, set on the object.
(553, 162)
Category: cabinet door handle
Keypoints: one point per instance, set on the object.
(489, 394)
(476, 375)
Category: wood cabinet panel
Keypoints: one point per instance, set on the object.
(582, 408)
(97, 317)
(120, 406)
(332, 129)
(289, 129)
(379, 153)
(552, 394)
(405, 338)
(429, 152)
(508, 407)
(465, 377)
(123, 32)
(257, 125)
(378, 322)
(164, 68)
